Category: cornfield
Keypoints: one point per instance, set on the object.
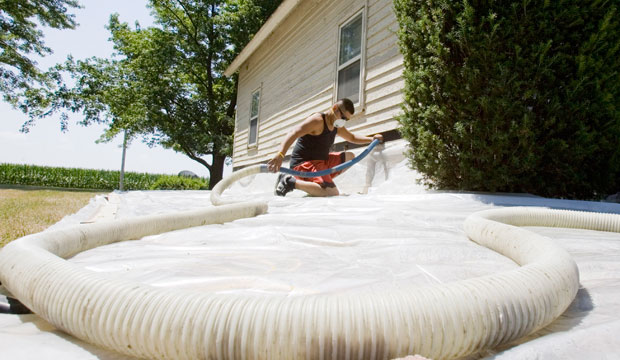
(74, 178)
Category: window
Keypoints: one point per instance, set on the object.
(254, 118)
(350, 59)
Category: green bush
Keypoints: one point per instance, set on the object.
(168, 182)
(515, 96)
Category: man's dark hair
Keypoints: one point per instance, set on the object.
(348, 105)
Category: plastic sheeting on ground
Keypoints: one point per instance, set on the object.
(385, 232)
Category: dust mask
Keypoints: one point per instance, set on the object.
(339, 123)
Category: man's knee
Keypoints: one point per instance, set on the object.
(331, 191)
(349, 156)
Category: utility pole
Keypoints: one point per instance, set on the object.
(120, 185)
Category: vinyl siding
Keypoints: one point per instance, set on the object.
(295, 68)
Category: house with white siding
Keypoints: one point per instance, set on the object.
(307, 55)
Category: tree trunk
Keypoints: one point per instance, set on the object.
(217, 170)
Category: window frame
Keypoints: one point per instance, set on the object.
(257, 117)
(360, 104)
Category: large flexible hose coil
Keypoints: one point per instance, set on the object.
(443, 321)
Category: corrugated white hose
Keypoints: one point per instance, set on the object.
(443, 321)
(225, 183)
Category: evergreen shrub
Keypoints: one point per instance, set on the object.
(513, 96)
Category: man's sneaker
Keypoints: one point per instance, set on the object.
(285, 184)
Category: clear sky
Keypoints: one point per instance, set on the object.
(46, 145)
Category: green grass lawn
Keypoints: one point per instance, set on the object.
(26, 211)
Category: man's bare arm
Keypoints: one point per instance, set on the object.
(356, 139)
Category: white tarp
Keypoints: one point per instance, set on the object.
(396, 233)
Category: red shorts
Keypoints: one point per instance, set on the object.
(334, 159)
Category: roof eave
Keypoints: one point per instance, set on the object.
(263, 33)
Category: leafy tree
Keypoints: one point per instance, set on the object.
(166, 82)
(20, 37)
(515, 96)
